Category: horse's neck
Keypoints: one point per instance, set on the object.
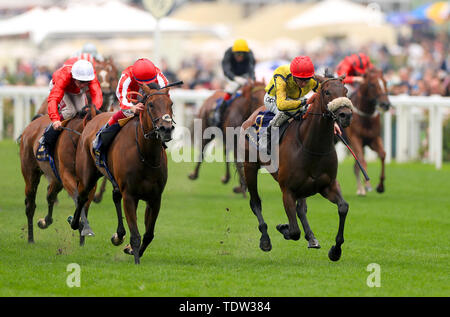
(362, 102)
(317, 131)
(150, 148)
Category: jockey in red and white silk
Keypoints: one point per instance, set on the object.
(66, 93)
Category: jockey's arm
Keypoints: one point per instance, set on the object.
(54, 98)
(284, 104)
(96, 93)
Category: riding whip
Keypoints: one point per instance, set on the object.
(71, 130)
(357, 161)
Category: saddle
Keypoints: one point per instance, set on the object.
(46, 148)
(104, 143)
(262, 121)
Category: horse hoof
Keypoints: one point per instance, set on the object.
(313, 244)
(369, 189)
(97, 199)
(128, 250)
(335, 253)
(265, 245)
(284, 230)
(43, 224)
(237, 190)
(380, 189)
(225, 180)
(87, 232)
(192, 176)
(361, 192)
(116, 240)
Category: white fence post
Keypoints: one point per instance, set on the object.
(388, 136)
(2, 129)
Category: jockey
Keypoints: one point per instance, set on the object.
(68, 95)
(238, 65)
(285, 93)
(142, 72)
(354, 67)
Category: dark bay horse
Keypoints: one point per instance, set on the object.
(138, 162)
(64, 158)
(365, 129)
(307, 165)
(237, 112)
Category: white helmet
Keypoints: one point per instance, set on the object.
(83, 70)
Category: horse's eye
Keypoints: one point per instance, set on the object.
(327, 93)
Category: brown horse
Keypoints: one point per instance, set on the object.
(138, 161)
(240, 109)
(365, 129)
(307, 165)
(32, 169)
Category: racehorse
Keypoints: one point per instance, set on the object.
(64, 153)
(365, 129)
(237, 112)
(137, 160)
(108, 77)
(307, 165)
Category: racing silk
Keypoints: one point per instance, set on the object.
(232, 68)
(348, 67)
(127, 83)
(64, 83)
(286, 92)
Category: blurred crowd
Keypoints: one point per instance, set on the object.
(418, 65)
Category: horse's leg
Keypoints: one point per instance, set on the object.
(117, 238)
(251, 177)
(358, 149)
(130, 205)
(333, 193)
(242, 188)
(194, 174)
(98, 197)
(32, 178)
(52, 192)
(377, 146)
(290, 231)
(309, 235)
(151, 214)
(226, 177)
(85, 228)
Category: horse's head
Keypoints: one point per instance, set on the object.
(374, 86)
(158, 111)
(108, 76)
(334, 101)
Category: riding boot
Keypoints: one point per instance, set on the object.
(218, 114)
(104, 138)
(49, 139)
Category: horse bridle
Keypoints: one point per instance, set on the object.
(148, 104)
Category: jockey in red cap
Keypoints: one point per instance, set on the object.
(142, 72)
(285, 93)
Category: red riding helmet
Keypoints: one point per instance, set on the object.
(361, 62)
(302, 67)
(144, 71)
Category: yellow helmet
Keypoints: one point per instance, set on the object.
(240, 45)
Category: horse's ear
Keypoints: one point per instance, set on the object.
(319, 78)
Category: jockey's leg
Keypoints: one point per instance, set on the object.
(230, 89)
(271, 105)
(107, 133)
